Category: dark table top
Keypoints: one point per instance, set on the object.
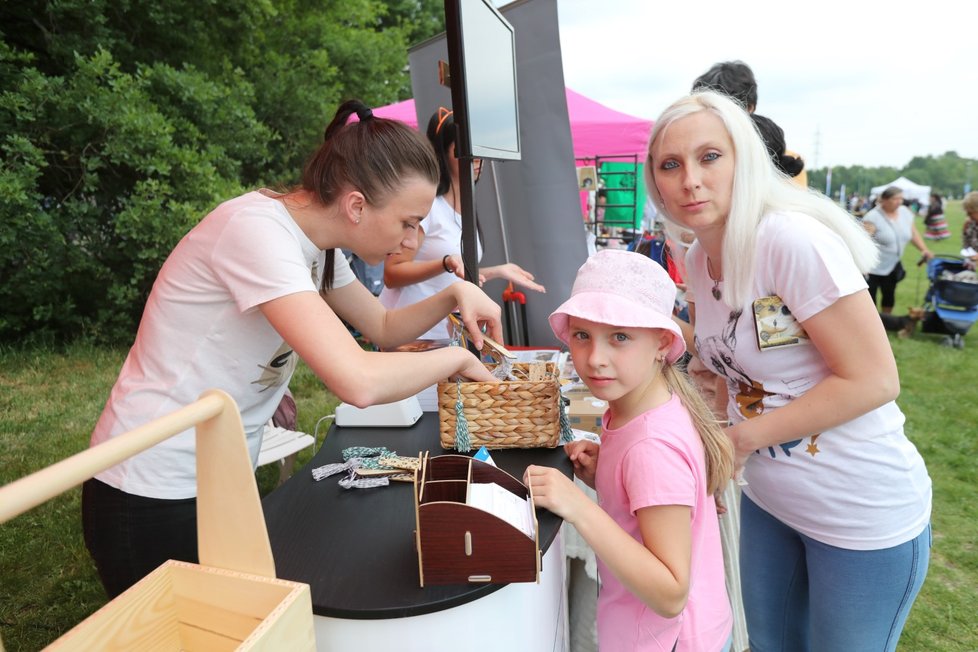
(355, 548)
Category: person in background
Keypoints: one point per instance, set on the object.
(663, 456)
(257, 284)
(969, 234)
(934, 219)
(831, 556)
(773, 137)
(600, 204)
(891, 224)
(414, 274)
(736, 79)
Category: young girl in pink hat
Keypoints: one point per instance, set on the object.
(663, 456)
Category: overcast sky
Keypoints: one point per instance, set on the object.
(850, 82)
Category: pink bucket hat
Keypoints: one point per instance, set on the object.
(621, 288)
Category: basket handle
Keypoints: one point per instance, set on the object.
(231, 534)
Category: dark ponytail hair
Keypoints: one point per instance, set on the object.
(773, 137)
(442, 135)
(373, 156)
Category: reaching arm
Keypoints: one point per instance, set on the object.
(656, 570)
(391, 328)
(862, 376)
(919, 242)
(402, 269)
(356, 376)
(512, 273)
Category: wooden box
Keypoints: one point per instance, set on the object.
(182, 606)
(458, 543)
(509, 414)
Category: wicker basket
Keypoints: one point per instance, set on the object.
(509, 414)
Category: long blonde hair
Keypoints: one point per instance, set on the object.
(717, 448)
(758, 189)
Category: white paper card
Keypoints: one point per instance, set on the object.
(498, 501)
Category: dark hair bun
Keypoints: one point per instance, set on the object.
(791, 165)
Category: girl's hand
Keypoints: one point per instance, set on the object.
(477, 310)
(554, 491)
(584, 455)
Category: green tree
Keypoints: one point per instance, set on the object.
(122, 123)
(945, 174)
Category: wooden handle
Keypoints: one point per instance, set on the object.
(32, 490)
(231, 531)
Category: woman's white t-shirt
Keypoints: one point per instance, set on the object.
(442, 236)
(861, 485)
(202, 329)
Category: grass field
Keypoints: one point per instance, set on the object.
(49, 401)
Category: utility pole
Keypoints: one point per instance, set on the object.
(818, 145)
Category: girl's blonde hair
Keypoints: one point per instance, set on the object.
(717, 449)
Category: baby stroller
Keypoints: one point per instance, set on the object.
(951, 306)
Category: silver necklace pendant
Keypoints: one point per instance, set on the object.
(713, 277)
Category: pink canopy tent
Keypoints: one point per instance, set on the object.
(596, 130)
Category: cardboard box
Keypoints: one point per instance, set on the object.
(586, 413)
(573, 392)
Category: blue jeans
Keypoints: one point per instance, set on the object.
(801, 595)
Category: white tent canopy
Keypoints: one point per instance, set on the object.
(910, 190)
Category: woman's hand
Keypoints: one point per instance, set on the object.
(584, 455)
(712, 387)
(514, 274)
(477, 310)
(453, 264)
(740, 453)
(718, 501)
(471, 368)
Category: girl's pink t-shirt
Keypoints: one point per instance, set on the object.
(657, 459)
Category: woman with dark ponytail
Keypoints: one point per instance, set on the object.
(415, 274)
(253, 287)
